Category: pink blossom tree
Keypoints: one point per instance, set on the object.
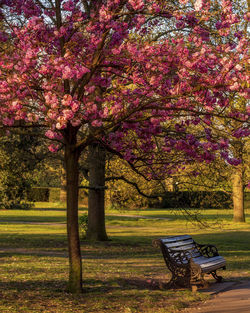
(98, 73)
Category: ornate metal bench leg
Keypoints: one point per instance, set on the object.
(216, 277)
(180, 278)
(176, 282)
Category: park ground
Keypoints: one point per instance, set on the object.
(124, 275)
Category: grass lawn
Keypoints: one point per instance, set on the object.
(119, 275)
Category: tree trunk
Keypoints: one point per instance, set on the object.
(63, 191)
(96, 212)
(238, 194)
(72, 176)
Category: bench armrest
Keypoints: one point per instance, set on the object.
(207, 250)
(180, 257)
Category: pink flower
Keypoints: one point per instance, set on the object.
(8, 121)
(60, 125)
(68, 114)
(50, 134)
(96, 123)
(105, 15)
(238, 67)
(90, 89)
(75, 106)
(69, 5)
(67, 99)
(235, 86)
(30, 54)
(136, 4)
(83, 70)
(116, 51)
(32, 117)
(67, 73)
(53, 148)
(16, 105)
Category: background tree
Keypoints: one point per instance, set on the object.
(126, 189)
(19, 156)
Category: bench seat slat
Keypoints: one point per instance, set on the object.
(179, 243)
(203, 259)
(175, 238)
(213, 264)
(185, 248)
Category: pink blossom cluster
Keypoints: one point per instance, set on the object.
(136, 4)
(97, 70)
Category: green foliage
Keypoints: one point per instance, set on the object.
(44, 194)
(54, 194)
(83, 225)
(8, 204)
(14, 192)
(19, 155)
(50, 194)
(49, 172)
(39, 194)
(197, 199)
(122, 193)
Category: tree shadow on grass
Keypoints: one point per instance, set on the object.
(34, 285)
(29, 241)
(20, 252)
(229, 243)
(124, 284)
(92, 285)
(95, 286)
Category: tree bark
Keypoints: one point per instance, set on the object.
(63, 191)
(238, 194)
(72, 176)
(96, 200)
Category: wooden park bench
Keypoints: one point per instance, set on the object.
(188, 261)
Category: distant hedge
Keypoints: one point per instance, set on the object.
(199, 199)
(192, 199)
(39, 194)
(51, 194)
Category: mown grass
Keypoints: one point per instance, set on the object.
(123, 275)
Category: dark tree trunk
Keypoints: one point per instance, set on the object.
(63, 191)
(96, 212)
(72, 176)
(238, 194)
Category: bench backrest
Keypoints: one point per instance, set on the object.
(180, 243)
